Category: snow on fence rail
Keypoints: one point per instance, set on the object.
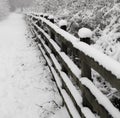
(69, 61)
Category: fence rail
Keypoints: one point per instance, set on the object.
(70, 62)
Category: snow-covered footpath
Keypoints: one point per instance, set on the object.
(26, 88)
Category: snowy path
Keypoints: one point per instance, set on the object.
(26, 89)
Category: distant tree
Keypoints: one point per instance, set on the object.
(117, 1)
(14, 4)
(51, 6)
(4, 8)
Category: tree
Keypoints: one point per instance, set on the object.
(4, 8)
(14, 4)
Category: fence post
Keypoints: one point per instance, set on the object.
(51, 18)
(85, 35)
(63, 25)
(46, 16)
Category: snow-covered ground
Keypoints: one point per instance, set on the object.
(26, 88)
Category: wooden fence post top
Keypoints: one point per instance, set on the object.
(85, 35)
(51, 18)
(45, 15)
(63, 24)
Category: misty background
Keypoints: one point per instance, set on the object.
(7, 6)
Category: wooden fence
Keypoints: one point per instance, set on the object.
(71, 62)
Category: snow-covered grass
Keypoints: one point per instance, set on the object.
(26, 88)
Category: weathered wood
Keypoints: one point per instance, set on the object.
(91, 102)
(52, 34)
(52, 20)
(86, 69)
(86, 40)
